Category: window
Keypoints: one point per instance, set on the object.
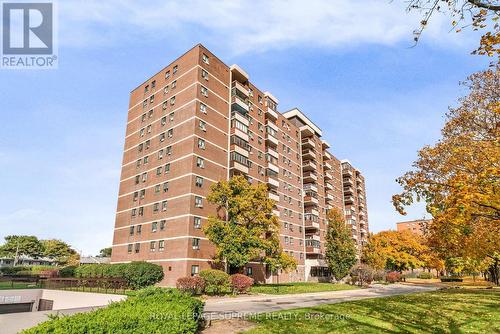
(160, 154)
(204, 91)
(174, 70)
(199, 182)
(170, 133)
(136, 196)
(131, 230)
(156, 207)
(167, 168)
(205, 59)
(143, 193)
(165, 187)
(167, 75)
(139, 148)
(200, 162)
(134, 212)
(203, 108)
(152, 246)
(249, 271)
(174, 84)
(163, 120)
(141, 133)
(204, 74)
(129, 248)
(144, 177)
(137, 247)
(202, 125)
(171, 117)
(157, 189)
(153, 84)
(195, 269)
(154, 226)
(146, 159)
(164, 206)
(161, 245)
(146, 89)
(201, 143)
(196, 243)
(164, 105)
(165, 90)
(158, 170)
(169, 150)
(162, 224)
(162, 137)
(197, 222)
(238, 125)
(172, 100)
(198, 202)
(138, 164)
(147, 144)
(139, 229)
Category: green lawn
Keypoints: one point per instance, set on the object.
(301, 287)
(17, 285)
(449, 311)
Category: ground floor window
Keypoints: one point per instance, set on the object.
(320, 272)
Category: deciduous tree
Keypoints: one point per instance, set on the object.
(58, 250)
(340, 251)
(244, 227)
(28, 245)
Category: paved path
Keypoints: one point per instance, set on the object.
(246, 306)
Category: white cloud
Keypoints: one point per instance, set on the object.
(248, 26)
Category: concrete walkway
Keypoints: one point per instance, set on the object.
(226, 308)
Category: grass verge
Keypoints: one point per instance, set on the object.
(300, 287)
(447, 311)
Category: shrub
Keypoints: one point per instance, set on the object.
(216, 281)
(379, 275)
(193, 285)
(68, 271)
(241, 283)
(38, 269)
(425, 275)
(14, 270)
(24, 273)
(363, 274)
(451, 279)
(393, 277)
(140, 274)
(152, 310)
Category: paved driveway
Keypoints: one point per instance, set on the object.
(246, 306)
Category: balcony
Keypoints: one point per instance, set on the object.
(348, 190)
(346, 172)
(309, 224)
(308, 143)
(310, 200)
(328, 176)
(310, 187)
(329, 197)
(329, 186)
(308, 154)
(273, 126)
(242, 119)
(276, 213)
(361, 197)
(271, 114)
(271, 140)
(327, 166)
(327, 156)
(306, 131)
(272, 182)
(361, 205)
(240, 87)
(239, 167)
(348, 181)
(239, 105)
(272, 152)
(325, 144)
(310, 177)
(273, 196)
(273, 167)
(348, 199)
(309, 166)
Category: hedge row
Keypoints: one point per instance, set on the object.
(151, 310)
(138, 274)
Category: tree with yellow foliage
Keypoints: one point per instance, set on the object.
(459, 176)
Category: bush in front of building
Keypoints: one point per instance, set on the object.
(194, 285)
(425, 275)
(379, 275)
(151, 310)
(216, 282)
(362, 274)
(241, 283)
(9, 271)
(68, 271)
(393, 277)
(138, 274)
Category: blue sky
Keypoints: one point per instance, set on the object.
(348, 65)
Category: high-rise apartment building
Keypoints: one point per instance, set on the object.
(356, 211)
(199, 121)
(419, 226)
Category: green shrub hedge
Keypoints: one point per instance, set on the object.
(14, 270)
(151, 310)
(139, 274)
(425, 275)
(451, 279)
(216, 282)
